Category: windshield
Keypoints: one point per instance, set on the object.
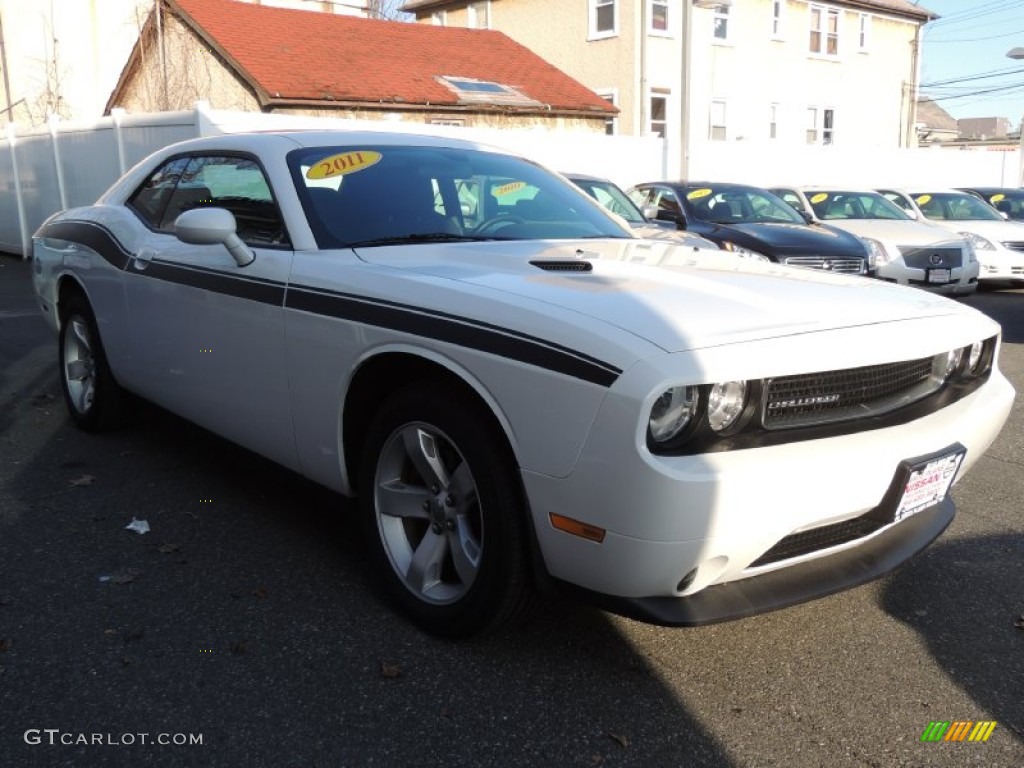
(370, 195)
(832, 206)
(1011, 203)
(955, 206)
(739, 205)
(612, 198)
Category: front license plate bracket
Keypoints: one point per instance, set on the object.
(920, 483)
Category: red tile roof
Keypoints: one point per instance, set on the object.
(291, 56)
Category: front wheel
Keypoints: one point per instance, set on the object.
(94, 399)
(442, 513)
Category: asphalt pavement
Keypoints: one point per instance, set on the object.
(241, 630)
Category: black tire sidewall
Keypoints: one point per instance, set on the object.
(103, 412)
(502, 570)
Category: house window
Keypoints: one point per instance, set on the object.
(863, 31)
(659, 113)
(721, 22)
(777, 8)
(611, 123)
(717, 131)
(439, 18)
(820, 125)
(773, 121)
(478, 15)
(659, 16)
(824, 30)
(603, 18)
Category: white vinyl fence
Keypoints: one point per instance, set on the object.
(66, 165)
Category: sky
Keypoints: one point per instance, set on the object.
(968, 46)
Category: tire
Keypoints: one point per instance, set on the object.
(442, 513)
(94, 400)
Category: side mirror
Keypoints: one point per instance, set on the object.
(649, 212)
(676, 218)
(213, 226)
(806, 215)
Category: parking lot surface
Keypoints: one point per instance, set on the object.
(241, 629)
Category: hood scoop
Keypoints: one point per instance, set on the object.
(563, 265)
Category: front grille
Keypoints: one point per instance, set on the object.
(927, 257)
(1015, 245)
(815, 539)
(846, 266)
(831, 396)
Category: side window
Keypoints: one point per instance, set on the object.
(150, 200)
(790, 197)
(666, 201)
(895, 199)
(235, 183)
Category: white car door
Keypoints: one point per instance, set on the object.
(209, 334)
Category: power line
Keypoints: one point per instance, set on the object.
(979, 76)
(976, 39)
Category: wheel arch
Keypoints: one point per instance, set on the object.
(68, 285)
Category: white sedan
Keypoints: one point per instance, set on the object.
(998, 243)
(520, 393)
(903, 250)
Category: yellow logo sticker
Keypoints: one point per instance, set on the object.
(923, 199)
(821, 197)
(697, 194)
(346, 162)
(997, 198)
(508, 189)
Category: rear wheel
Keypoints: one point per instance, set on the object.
(94, 399)
(442, 512)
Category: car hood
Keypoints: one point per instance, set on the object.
(654, 232)
(906, 232)
(673, 296)
(774, 239)
(997, 231)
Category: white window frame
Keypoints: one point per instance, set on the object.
(824, 14)
(713, 123)
(720, 12)
(819, 130)
(667, 31)
(593, 6)
(778, 19)
(665, 95)
(863, 32)
(475, 10)
(611, 123)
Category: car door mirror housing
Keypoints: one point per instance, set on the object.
(649, 212)
(666, 215)
(213, 226)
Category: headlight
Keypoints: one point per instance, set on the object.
(953, 358)
(974, 356)
(876, 252)
(725, 404)
(746, 253)
(977, 242)
(671, 412)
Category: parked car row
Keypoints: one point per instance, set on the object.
(520, 392)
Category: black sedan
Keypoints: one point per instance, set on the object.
(753, 222)
(1007, 200)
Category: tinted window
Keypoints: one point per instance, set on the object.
(830, 206)
(150, 200)
(739, 205)
(612, 198)
(946, 206)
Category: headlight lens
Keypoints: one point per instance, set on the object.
(725, 404)
(974, 356)
(978, 242)
(876, 252)
(746, 253)
(671, 412)
(953, 358)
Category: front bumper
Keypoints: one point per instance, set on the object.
(1001, 264)
(963, 280)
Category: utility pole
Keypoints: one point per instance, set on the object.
(7, 83)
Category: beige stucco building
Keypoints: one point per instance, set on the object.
(792, 72)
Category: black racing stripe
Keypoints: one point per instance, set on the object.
(90, 234)
(254, 289)
(463, 333)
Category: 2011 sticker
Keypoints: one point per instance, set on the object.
(697, 194)
(821, 197)
(343, 163)
(508, 189)
(923, 199)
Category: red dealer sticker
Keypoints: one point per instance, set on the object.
(929, 484)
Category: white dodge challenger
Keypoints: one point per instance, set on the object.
(521, 393)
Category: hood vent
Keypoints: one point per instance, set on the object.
(563, 265)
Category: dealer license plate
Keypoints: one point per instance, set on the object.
(928, 484)
(939, 276)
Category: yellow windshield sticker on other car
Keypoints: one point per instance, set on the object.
(697, 194)
(342, 164)
(997, 198)
(821, 197)
(508, 189)
(923, 199)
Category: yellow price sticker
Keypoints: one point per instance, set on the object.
(997, 198)
(697, 194)
(922, 199)
(344, 163)
(821, 197)
(508, 189)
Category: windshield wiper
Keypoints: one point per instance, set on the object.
(422, 237)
